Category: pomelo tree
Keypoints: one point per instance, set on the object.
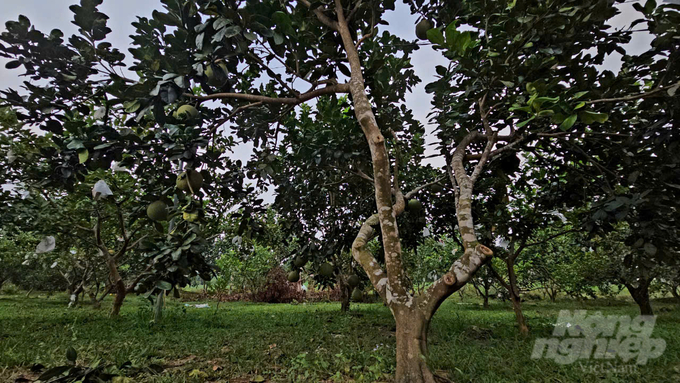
(77, 115)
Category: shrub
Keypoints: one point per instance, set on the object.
(277, 289)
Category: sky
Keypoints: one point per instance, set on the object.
(46, 15)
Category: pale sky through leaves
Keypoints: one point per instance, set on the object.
(46, 15)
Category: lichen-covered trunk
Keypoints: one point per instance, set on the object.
(412, 348)
(676, 294)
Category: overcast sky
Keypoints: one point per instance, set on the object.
(46, 15)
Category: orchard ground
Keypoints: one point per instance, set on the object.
(307, 342)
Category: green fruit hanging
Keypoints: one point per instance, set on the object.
(157, 211)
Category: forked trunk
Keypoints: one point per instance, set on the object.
(412, 349)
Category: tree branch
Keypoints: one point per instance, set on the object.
(634, 97)
(331, 89)
(323, 18)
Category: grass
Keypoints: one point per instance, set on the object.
(238, 342)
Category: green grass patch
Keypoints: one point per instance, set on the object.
(306, 342)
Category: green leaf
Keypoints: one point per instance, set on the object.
(451, 32)
(568, 122)
(523, 123)
(632, 177)
(83, 155)
(278, 39)
(221, 23)
(250, 36)
(650, 249)
(53, 372)
(232, 31)
(588, 117)
(71, 355)
(435, 36)
(282, 20)
(650, 6)
(13, 64)
(164, 285)
(190, 239)
(579, 95)
(579, 105)
(75, 144)
(508, 84)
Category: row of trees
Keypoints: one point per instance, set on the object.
(534, 136)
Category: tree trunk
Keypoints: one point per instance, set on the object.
(73, 295)
(121, 290)
(516, 299)
(158, 307)
(487, 288)
(640, 295)
(521, 320)
(96, 304)
(412, 348)
(28, 294)
(345, 294)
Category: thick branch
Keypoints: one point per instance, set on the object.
(365, 258)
